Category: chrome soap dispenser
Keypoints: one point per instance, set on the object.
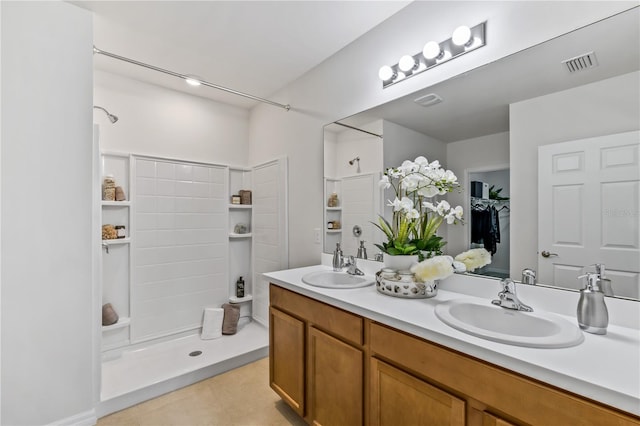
(593, 316)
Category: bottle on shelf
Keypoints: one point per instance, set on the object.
(240, 288)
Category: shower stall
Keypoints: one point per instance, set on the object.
(176, 252)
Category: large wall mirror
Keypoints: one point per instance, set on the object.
(559, 142)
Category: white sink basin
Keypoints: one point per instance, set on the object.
(330, 279)
(531, 329)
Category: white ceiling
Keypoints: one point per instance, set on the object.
(256, 47)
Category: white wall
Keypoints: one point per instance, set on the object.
(47, 300)
(464, 157)
(161, 122)
(601, 108)
(347, 83)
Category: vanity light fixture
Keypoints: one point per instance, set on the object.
(463, 40)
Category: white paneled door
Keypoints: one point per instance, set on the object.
(270, 230)
(589, 210)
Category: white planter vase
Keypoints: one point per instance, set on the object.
(399, 263)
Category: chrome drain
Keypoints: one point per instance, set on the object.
(195, 353)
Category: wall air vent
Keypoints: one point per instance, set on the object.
(428, 100)
(582, 62)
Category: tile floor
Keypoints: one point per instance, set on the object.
(241, 397)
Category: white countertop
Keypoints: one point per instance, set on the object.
(605, 368)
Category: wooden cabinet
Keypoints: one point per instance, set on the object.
(398, 398)
(335, 380)
(337, 368)
(501, 394)
(317, 359)
(286, 353)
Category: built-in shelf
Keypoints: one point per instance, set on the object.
(125, 203)
(117, 241)
(234, 235)
(122, 322)
(333, 231)
(334, 208)
(240, 206)
(234, 299)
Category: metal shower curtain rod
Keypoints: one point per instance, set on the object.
(185, 77)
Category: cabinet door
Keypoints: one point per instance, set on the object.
(489, 419)
(286, 358)
(335, 381)
(398, 398)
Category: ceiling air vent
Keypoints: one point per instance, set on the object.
(428, 100)
(582, 62)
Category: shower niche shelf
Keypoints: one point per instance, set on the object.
(116, 253)
(240, 245)
(122, 322)
(332, 213)
(117, 241)
(233, 235)
(125, 203)
(237, 300)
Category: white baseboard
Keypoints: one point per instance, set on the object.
(87, 418)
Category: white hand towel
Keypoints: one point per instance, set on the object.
(212, 323)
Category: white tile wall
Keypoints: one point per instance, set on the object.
(180, 246)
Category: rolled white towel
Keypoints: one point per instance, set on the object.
(212, 323)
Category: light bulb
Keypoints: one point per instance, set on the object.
(192, 81)
(406, 63)
(432, 50)
(385, 73)
(461, 35)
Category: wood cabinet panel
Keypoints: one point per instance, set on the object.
(335, 381)
(286, 358)
(489, 419)
(331, 319)
(398, 399)
(525, 399)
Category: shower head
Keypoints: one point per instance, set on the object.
(354, 160)
(112, 118)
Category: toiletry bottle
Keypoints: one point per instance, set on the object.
(605, 283)
(240, 287)
(592, 311)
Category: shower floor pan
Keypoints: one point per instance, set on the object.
(142, 374)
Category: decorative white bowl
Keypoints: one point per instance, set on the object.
(405, 288)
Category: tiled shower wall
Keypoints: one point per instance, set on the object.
(179, 247)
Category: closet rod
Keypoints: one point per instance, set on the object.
(184, 77)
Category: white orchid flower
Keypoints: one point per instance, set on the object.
(422, 161)
(429, 205)
(457, 212)
(406, 204)
(413, 214)
(384, 182)
(443, 207)
(428, 191)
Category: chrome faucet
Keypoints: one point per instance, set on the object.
(507, 297)
(352, 266)
(528, 276)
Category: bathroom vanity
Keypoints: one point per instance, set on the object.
(353, 356)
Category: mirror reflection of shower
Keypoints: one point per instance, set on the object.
(355, 160)
(112, 118)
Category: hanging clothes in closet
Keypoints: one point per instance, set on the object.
(485, 226)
